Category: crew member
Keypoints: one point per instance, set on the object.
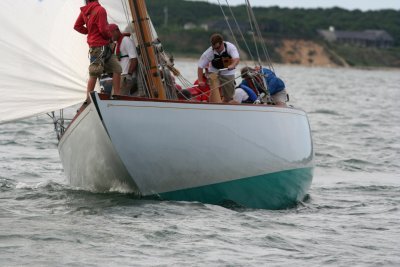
(92, 21)
(221, 59)
(126, 53)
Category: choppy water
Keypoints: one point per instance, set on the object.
(351, 218)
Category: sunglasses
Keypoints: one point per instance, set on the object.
(216, 46)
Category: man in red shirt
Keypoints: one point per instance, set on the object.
(92, 21)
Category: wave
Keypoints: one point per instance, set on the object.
(361, 125)
(325, 111)
(6, 184)
(11, 143)
(345, 187)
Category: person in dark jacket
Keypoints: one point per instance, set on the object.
(253, 79)
(92, 21)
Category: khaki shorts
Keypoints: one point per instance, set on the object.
(98, 66)
(128, 86)
(227, 86)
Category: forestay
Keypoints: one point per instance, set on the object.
(43, 61)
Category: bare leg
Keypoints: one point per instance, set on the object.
(90, 86)
(116, 83)
(215, 96)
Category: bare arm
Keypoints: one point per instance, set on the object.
(234, 63)
(133, 62)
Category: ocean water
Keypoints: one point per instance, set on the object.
(351, 217)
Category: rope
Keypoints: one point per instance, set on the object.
(144, 64)
(164, 63)
(128, 18)
(236, 77)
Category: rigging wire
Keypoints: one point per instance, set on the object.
(255, 31)
(263, 45)
(240, 31)
(253, 35)
(127, 15)
(162, 57)
(253, 21)
(129, 20)
(209, 91)
(229, 25)
(146, 64)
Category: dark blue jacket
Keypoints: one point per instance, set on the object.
(250, 92)
(274, 83)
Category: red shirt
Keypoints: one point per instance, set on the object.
(93, 21)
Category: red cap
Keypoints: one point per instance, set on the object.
(113, 27)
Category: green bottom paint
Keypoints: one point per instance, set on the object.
(278, 190)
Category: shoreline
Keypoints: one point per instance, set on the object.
(183, 58)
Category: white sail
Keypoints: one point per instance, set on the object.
(43, 60)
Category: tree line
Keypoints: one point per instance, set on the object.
(275, 21)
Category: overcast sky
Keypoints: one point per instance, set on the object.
(347, 4)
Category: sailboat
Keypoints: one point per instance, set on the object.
(257, 156)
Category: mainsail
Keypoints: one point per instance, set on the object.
(43, 60)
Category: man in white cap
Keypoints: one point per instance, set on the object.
(126, 53)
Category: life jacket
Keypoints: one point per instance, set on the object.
(255, 84)
(117, 48)
(223, 60)
(250, 92)
(200, 94)
(274, 83)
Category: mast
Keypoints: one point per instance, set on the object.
(142, 27)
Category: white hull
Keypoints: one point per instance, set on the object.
(89, 158)
(157, 147)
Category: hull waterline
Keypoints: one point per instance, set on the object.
(273, 191)
(194, 152)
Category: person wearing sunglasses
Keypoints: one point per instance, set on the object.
(219, 61)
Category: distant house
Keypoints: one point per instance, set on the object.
(367, 38)
(191, 26)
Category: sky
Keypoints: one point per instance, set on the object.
(346, 4)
